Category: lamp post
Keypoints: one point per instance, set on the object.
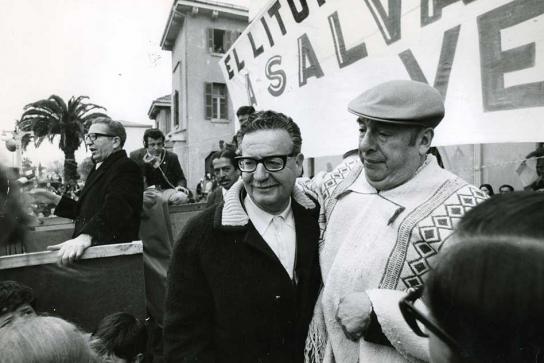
(12, 141)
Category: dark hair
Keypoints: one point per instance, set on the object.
(13, 295)
(512, 214)
(488, 187)
(488, 293)
(506, 186)
(121, 334)
(227, 154)
(245, 110)
(271, 120)
(115, 127)
(154, 134)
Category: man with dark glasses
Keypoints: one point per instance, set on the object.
(385, 217)
(109, 205)
(244, 274)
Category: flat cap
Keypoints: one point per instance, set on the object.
(400, 102)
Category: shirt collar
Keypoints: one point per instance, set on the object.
(261, 219)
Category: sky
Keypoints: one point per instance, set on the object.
(105, 49)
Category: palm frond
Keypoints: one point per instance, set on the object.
(59, 101)
(74, 103)
(25, 140)
(86, 108)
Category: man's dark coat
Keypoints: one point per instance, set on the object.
(170, 167)
(229, 298)
(215, 197)
(110, 203)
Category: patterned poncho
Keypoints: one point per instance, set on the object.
(380, 243)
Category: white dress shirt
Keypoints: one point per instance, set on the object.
(278, 231)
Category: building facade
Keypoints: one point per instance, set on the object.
(197, 34)
(160, 112)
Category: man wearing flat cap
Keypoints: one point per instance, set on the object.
(384, 219)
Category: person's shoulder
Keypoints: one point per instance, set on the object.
(196, 228)
(138, 153)
(126, 164)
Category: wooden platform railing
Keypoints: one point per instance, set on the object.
(107, 279)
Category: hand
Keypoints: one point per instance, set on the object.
(179, 188)
(72, 249)
(178, 198)
(353, 314)
(41, 195)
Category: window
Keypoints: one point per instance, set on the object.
(216, 101)
(176, 108)
(219, 40)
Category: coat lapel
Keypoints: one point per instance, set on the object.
(306, 241)
(255, 240)
(97, 174)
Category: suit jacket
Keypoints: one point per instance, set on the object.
(229, 299)
(215, 197)
(110, 203)
(170, 167)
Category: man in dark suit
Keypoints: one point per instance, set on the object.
(109, 205)
(226, 173)
(244, 275)
(159, 166)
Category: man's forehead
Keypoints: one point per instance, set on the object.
(221, 162)
(275, 139)
(153, 140)
(99, 128)
(379, 125)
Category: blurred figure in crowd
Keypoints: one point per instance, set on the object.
(487, 189)
(16, 300)
(44, 339)
(13, 218)
(485, 298)
(243, 113)
(486, 294)
(538, 153)
(120, 338)
(506, 188)
(226, 174)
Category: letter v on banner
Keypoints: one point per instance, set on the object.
(445, 62)
(388, 23)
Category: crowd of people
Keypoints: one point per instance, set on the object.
(387, 258)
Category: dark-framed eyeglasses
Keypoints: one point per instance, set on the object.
(271, 163)
(95, 135)
(412, 316)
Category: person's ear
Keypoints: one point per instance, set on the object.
(299, 162)
(424, 140)
(139, 358)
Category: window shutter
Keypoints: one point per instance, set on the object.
(208, 101)
(210, 40)
(224, 103)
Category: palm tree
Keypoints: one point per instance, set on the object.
(52, 116)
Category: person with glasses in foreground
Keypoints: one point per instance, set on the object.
(385, 218)
(485, 295)
(244, 274)
(109, 205)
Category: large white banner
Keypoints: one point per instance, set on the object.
(309, 58)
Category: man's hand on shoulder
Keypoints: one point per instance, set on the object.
(72, 249)
(354, 314)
